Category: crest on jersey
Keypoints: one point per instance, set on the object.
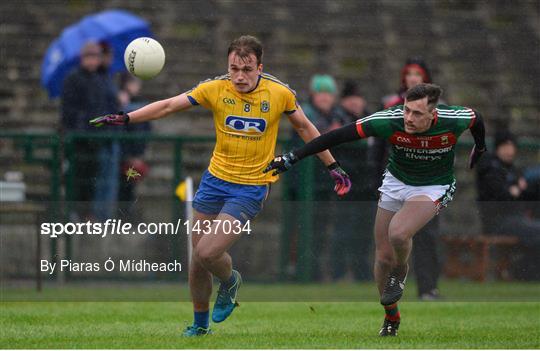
(444, 140)
(265, 106)
(246, 125)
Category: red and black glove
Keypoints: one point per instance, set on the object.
(341, 178)
(118, 119)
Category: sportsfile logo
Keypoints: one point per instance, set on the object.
(245, 124)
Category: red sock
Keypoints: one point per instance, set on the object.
(392, 312)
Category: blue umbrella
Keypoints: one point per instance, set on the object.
(117, 28)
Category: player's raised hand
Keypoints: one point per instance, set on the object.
(343, 182)
(281, 163)
(475, 156)
(118, 119)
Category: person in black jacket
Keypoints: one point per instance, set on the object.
(501, 187)
(85, 94)
(501, 193)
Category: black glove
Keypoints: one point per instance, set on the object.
(281, 163)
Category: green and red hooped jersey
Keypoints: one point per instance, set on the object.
(425, 158)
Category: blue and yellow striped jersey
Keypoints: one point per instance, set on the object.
(246, 126)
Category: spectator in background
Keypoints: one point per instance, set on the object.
(425, 256)
(132, 152)
(501, 191)
(351, 243)
(108, 57)
(499, 180)
(352, 104)
(322, 107)
(108, 153)
(84, 96)
(323, 111)
(413, 73)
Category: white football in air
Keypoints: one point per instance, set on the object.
(144, 58)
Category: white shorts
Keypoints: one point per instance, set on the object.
(394, 193)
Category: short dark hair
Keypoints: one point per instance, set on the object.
(431, 91)
(350, 88)
(245, 45)
(503, 136)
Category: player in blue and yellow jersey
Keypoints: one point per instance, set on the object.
(247, 105)
(418, 182)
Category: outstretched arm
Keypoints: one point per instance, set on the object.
(336, 137)
(160, 109)
(155, 110)
(333, 138)
(350, 133)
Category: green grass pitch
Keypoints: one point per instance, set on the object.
(510, 320)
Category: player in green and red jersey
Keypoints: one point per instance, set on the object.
(418, 182)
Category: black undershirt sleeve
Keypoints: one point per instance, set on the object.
(478, 131)
(325, 141)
